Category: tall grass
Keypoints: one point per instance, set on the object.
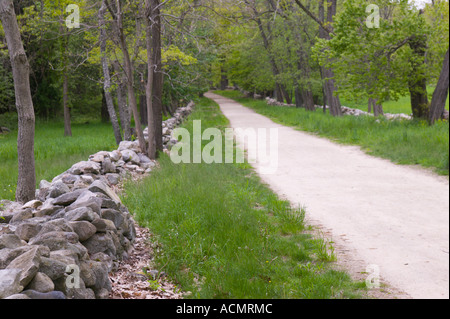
(223, 234)
(54, 153)
(403, 142)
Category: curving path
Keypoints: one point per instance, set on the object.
(394, 217)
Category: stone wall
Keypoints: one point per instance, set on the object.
(66, 242)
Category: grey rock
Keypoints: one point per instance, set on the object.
(29, 264)
(52, 267)
(127, 145)
(101, 243)
(83, 229)
(67, 199)
(21, 216)
(32, 204)
(41, 283)
(55, 240)
(108, 166)
(130, 156)
(53, 295)
(28, 229)
(85, 168)
(115, 156)
(113, 215)
(80, 214)
(48, 209)
(103, 225)
(100, 187)
(113, 179)
(17, 297)
(58, 188)
(86, 199)
(10, 241)
(10, 282)
(70, 179)
(44, 184)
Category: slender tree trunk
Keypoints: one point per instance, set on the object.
(67, 123)
(65, 77)
(440, 94)
(130, 77)
(151, 151)
(26, 183)
(418, 82)
(328, 74)
(107, 76)
(158, 76)
(124, 110)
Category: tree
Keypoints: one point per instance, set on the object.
(117, 15)
(149, 7)
(26, 182)
(107, 76)
(440, 94)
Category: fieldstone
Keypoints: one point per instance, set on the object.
(108, 166)
(10, 241)
(48, 209)
(70, 179)
(83, 229)
(41, 283)
(100, 187)
(104, 259)
(113, 179)
(130, 156)
(97, 158)
(128, 145)
(85, 168)
(52, 267)
(59, 224)
(87, 179)
(87, 199)
(44, 184)
(115, 156)
(29, 264)
(52, 295)
(32, 204)
(21, 216)
(27, 230)
(58, 188)
(67, 199)
(17, 297)
(10, 282)
(55, 240)
(80, 214)
(113, 215)
(101, 243)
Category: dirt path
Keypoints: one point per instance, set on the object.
(376, 212)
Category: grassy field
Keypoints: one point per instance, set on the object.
(53, 152)
(223, 234)
(403, 142)
(402, 105)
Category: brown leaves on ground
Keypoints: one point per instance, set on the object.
(134, 278)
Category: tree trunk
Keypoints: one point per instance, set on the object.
(327, 74)
(67, 124)
(440, 94)
(107, 76)
(26, 183)
(124, 110)
(158, 77)
(151, 151)
(418, 82)
(65, 77)
(130, 77)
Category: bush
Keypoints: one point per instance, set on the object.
(9, 120)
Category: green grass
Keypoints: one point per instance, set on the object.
(403, 142)
(221, 233)
(54, 153)
(402, 105)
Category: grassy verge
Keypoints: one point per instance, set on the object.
(403, 142)
(54, 153)
(402, 105)
(223, 234)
